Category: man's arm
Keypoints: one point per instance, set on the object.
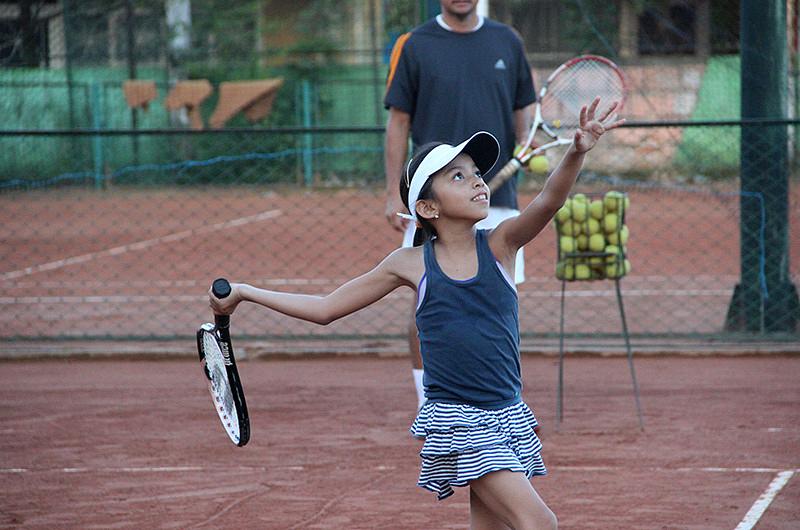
(395, 150)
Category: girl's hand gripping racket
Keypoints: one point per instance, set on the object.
(216, 357)
(572, 85)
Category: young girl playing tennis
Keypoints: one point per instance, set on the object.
(477, 430)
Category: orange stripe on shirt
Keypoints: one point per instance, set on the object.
(395, 58)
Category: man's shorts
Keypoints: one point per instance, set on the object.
(496, 215)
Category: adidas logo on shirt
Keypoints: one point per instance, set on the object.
(500, 65)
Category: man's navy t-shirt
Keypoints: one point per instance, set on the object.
(455, 84)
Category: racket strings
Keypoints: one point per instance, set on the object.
(220, 386)
(576, 86)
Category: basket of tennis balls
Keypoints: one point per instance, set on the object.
(592, 237)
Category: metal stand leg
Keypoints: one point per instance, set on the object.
(560, 392)
(630, 353)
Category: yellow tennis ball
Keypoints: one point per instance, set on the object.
(567, 244)
(615, 253)
(618, 237)
(611, 199)
(580, 211)
(614, 201)
(597, 242)
(582, 241)
(539, 164)
(582, 272)
(613, 270)
(611, 222)
(565, 271)
(618, 269)
(556, 123)
(570, 228)
(579, 197)
(596, 209)
(564, 213)
(597, 262)
(593, 225)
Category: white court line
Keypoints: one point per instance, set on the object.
(753, 515)
(751, 518)
(139, 245)
(166, 284)
(630, 282)
(161, 469)
(143, 469)
(628, 293)
(294, 467)
(113, 299)
(9, 300)
(682, 469)
(758, 508)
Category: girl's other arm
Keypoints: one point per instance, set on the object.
(517, 231)
(349, 298)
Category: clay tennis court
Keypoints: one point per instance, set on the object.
(135, 444)
(132, 442)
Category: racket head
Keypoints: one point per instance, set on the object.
(227, 395)
(576, 83)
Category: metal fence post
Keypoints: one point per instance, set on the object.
(774, 305)
(308, 145)
(96, 104)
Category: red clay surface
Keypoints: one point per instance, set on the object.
(136, 444)
(88, 264)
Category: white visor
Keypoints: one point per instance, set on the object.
(482, 147)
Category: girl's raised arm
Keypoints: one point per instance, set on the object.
(391, 273)
(517, 231)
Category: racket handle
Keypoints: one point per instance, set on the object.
(504, 174)
(221, 288)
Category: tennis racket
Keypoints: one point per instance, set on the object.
(216, 357)
(573, 84)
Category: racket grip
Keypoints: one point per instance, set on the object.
(221, 288)
(504, 174)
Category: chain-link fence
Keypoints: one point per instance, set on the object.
(121, 199)
(126, 249)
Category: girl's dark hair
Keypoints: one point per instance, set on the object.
(428, 231)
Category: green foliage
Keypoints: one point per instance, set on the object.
(225, 32)
(714, 151)
(590, 26)
(400, 16)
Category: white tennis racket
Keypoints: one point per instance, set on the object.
(575, 83)
(219, 366)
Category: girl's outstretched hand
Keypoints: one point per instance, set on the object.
(592, 127)
(227, 305)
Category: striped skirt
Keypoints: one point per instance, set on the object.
(463, 443)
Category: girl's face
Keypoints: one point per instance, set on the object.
(460, 190)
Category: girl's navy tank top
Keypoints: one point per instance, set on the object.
(469, 333)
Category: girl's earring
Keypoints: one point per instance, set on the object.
(436, 216)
